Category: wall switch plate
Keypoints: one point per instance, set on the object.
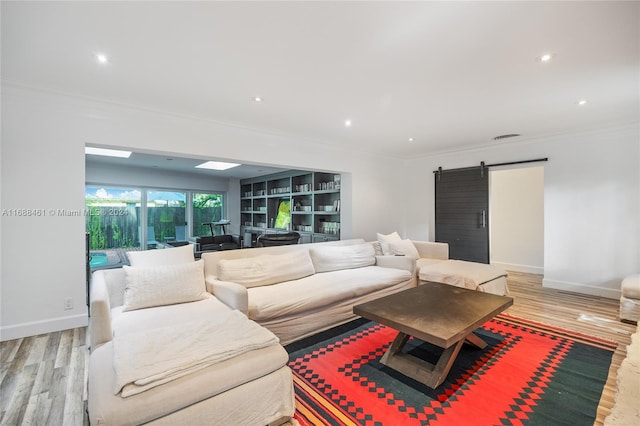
(68, 303)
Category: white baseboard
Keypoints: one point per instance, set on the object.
(519, 268)
(609, 293)
(35, 328)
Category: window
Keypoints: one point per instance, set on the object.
(112, 217)
(207, 208)
(166, 217)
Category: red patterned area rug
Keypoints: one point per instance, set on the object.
(529, 374)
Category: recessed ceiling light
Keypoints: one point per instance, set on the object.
(102, 58)
(257, 99)
(546, 57)
(216, 165)
(410, 139)
(107, 152)
(582, 102)
(347, 123)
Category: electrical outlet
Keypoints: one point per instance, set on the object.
(68, 303)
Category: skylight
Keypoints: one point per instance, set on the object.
(216, 165)
(106, 152)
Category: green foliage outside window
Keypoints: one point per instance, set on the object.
(206, 208)
(113, 222)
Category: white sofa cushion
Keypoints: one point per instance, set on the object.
(163, 285)
(404, 248)
(172, 256)
(266, 269)
(326, 259)
(318, 291)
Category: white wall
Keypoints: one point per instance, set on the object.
(516, 219)
(43, 167)
(591, 203)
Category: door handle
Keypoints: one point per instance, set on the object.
(484, 218)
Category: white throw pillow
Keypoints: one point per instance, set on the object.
(164, 257)
(148, 286)
(266, 269)
(334, 258)
(404, 248)
(394, 237)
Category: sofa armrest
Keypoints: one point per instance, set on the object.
(231, 294)
(397, 262)
(432, 250)
(100, 319)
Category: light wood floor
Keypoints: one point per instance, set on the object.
(43, 378)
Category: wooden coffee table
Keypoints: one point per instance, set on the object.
(440, 314)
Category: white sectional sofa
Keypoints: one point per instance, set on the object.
(160, 306)
(299, 290)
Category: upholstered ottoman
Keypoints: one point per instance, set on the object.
(470, 275)
(630, 299)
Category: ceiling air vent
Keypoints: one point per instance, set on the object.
(510, 135)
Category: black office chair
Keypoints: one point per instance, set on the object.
(270, 240)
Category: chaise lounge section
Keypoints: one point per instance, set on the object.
(433, 265)
(229, 390)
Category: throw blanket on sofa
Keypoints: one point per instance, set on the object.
(147, 359)
(461, 273)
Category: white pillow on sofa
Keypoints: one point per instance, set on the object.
(404, 248)
(334, 258)
(164, 257)
(389, 238)
(385, 240)
(266, 269)
(148, 286)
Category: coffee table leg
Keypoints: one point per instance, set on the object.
(416, 368)
(396, 346)
(476, 341)
(444, 364)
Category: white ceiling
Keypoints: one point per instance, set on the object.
(451, 75)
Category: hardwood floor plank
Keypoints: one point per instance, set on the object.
(74, 404)
(58, 395)
(20, 358)
(64, 349)
(44, 380)
(53, 344)
(36, 354)
(8, 350)
(19, 398)
(37, 409)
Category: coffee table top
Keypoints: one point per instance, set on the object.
(440, 314)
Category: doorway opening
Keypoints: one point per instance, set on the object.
(516, 217)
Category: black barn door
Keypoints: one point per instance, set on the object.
(462, 212)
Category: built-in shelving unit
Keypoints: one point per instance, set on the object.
(314, 205)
